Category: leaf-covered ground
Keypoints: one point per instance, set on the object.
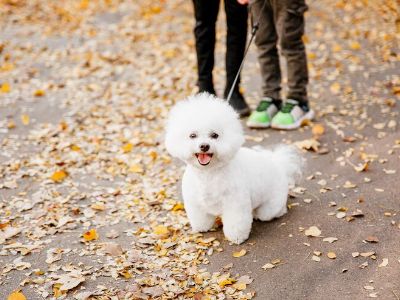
(89, 198)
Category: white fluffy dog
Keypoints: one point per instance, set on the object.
(222, 178)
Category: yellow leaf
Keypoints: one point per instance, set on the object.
(311, 55)
(331, 255)
(127, 147)
(39, 93)
(98, 206)
(178, 206)
(75, 148)
(336, 48)
(171, 53)
(355, 45)
(16, 296)
(160, 230)
(90, 235)
(5, 88)
(7, 67)
(11, 124)
(318, 130)
(25, 119)
(335, 88)
(136, 169)
(239, 253)
(153, 155)
(226, 281)
(59, 176)
(240, 286)
(56, 290)
(126, 274)
(84, 4)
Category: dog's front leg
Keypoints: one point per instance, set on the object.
(237, 219)
(198, 218)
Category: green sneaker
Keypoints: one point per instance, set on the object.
(262, 116)
(291, 115)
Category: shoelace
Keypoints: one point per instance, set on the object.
(263, 105)
(287, 107)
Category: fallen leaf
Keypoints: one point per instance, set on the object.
(239, 253)
(389, 172)
(90, 235)
(349, 185)
(313, 231)
(316, 258)
(69, 281)
(308, 144)
(16, 296)
(59, 176)
(178, 206)
(25, 119)
(160, 230)
(372, 239)
(268, 266)
(154, 291)
(340, 215)
(39, 93)
(318, 130)
(135, 168)
(367, 254)
(335, 88)
(331, 255)
(384, 263)
(355, 45)
(330, 239)
(226, 281)
(113, 249)
(127, 148)
(5, 88)
(362, 167)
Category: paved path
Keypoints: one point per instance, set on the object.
(84, 90)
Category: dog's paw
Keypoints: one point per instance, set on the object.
(203, 226)
(236, 235)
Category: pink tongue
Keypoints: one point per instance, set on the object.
(204, 158)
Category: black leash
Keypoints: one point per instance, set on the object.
(254, 29)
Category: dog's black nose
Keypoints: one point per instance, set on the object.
(204, 147)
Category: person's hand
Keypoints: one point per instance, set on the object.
(243, 2)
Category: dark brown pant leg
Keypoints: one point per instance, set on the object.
(266, 40)
(290, 28)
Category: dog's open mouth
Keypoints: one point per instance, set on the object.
(204, 158)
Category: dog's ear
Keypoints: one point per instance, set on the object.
(172, 142)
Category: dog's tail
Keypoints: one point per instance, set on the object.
(290, 160)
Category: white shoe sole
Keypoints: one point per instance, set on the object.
(308, 116)
(258, 125)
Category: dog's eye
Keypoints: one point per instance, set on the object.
(214, 135)
(193, 135)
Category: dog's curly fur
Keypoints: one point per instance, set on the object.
(227, 180)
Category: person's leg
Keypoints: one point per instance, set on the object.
(236, 19)
(290, 31)
(206, 12)
(290, 26)
(266, 41)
